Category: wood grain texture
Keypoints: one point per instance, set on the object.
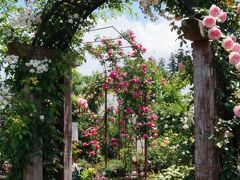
(193, 30)
(68, 127)
(206, 159)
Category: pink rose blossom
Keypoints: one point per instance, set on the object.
(144, 68)
(119, 41)
(110, 53)
(144, 50)
(120, 102)
(155, 135)
(139, 124)
(236, 47)
(85, 144)
(125, 135)
(223, 17)
(132, 38)
(92, 153)
(234, 58)
(209, 21)
(150, 124)
(238, 66)
(214, 33)
(181, 66)
(105, 86)
(97, 146)
(238, 8)
(82, 103)
(145, 109)
(145, 136)
(132, 54)
(228, 43)
(214, 11)
(137, 46)
(113, 74)
(236, 111)
(153, 117)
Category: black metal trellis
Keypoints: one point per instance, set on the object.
(105, 91)
(105, 96)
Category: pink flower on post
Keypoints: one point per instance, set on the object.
(223, 17)
(236, 111)
(214, 33)
(214, 11)
(234, 58)
(228, 43)
(209, 21)
(236, 47)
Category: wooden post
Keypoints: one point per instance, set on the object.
(146, 158)
(34, 170)
(68, 126)
(206, 158)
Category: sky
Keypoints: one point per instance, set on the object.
(155, 36)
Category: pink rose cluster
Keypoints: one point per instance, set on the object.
(137, 47)
(91, 143)
(149, 124)
(228, 43)
(114, 142)
(82, 103)
(210, 21)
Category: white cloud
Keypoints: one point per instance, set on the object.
(155, 36)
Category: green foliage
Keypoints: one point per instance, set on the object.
(115, 168)
(171, 149)
(174, 172)
(88, 174)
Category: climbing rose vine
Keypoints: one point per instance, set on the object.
(229, 43)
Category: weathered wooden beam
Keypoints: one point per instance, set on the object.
(206, 158)
(193, 30)
(26, 50)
